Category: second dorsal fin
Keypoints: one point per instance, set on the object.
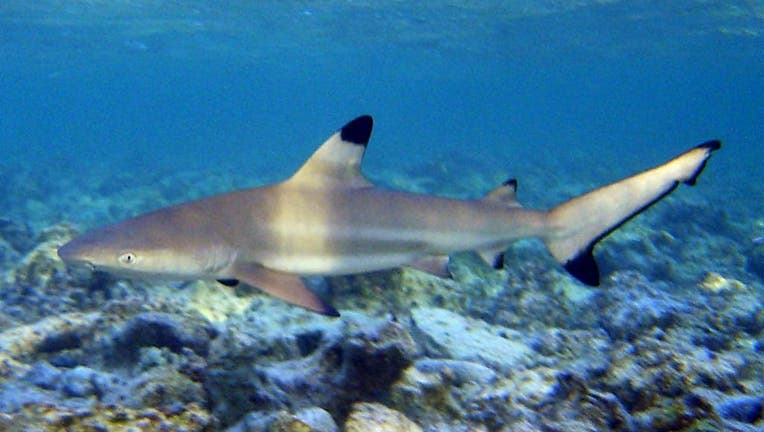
(338, 160)
(504, 194)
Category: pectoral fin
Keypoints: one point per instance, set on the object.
(285, 286)
(435, 265)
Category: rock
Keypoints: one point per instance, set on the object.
(715, 283)
(317, 419)
(39, 285)
(374, 354)
(18, 235)
(306, 420)
(584, 352)
(48, 335)
(292, 363)
(461, 372)
(38, 267)
(8, 256)
(430, 398)
(78, 382)
(530, 293)
(545, 399)
(652, 372)
(442, 393)
(44, 375)
(532, 387)
(164, 330)
(214, 301)
(163, 388)
(254, 422)
(755, 259)
(460, 395)
(107, 384)
(746, 408)
(447, 334)
(15, 395)
(688, 413)
(10, 368)
(374, 417)
(735, 314)
(640, 249)
(634, 307)
(394, 291)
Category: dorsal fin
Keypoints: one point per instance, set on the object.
(338, 160)
(505, 194)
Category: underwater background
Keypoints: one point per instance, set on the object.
(113, 108)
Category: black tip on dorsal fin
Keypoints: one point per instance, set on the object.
(358, 131)
(511, 183)
(584, 268)
(712, 145)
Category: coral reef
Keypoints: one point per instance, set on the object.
(672, 341)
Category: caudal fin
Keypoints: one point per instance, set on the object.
(575, 226)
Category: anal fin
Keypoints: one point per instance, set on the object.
(285, 286)
(493, 257)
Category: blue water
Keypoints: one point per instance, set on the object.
(577, 94)
(115, 107)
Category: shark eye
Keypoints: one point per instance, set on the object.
(127, 258)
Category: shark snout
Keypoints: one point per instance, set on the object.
(73, 253)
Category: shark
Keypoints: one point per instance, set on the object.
(329, 219)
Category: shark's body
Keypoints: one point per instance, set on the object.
(328, 219)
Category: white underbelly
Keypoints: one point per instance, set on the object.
(330, 265)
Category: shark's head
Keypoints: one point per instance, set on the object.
(135, 248)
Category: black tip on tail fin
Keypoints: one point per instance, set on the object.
(712, 145)
(584, 268)
(329, 310)
(358, 131)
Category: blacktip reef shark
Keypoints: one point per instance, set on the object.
(328, 219)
